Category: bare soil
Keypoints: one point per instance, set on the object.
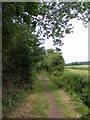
(54, 111)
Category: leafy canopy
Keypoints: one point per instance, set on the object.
(54, 18)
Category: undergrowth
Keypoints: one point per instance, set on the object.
(14, 95)
(74, 83)
(13, 98)
(76, 86)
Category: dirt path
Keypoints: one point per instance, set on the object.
(54, 111)
(42, 104)
(25, 109)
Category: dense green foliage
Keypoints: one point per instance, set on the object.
(60, 83)
(21, 51)
(56, 18)
(19, 20)
(77, 86)
(53, 62)
(76, 83)
(21, 44)
(79, 63)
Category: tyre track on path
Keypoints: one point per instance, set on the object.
(54, 111)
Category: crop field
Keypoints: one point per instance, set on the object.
(78, 69)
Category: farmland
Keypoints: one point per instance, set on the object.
(78, 69)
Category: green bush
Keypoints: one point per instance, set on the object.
(74, 82)
(53, 62)
(86, 116)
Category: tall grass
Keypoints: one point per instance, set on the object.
(76, 85)
(13, 98)
(14, 95)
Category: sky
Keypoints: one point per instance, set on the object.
(75, 46)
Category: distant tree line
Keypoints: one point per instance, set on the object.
(78, 63)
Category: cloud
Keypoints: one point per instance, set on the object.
(75, 46)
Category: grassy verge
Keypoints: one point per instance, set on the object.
(15, 97)
(68, 82)
(12, 98)
(65, 108)
(40, 102)
(15, 90)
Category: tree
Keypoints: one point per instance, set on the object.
(16, 18)
(55, 18)
(19, 21)
(54, 62)
(21, 50)
(52, 18)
